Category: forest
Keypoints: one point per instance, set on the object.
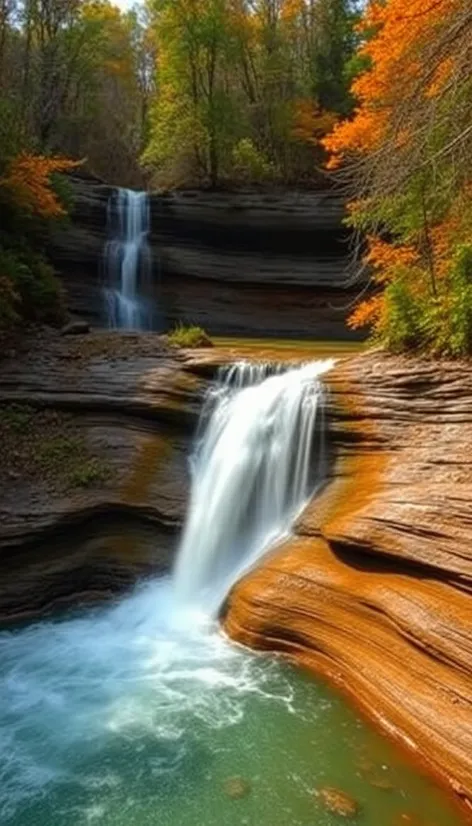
(374, 99)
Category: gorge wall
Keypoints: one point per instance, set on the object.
(375, 588)
(252, 263)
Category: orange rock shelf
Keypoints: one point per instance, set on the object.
(375, 589)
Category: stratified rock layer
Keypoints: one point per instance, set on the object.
(134, 407)
(374, 590)
(253, 263)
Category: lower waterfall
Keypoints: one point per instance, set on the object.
(259, 455)
(133, 696)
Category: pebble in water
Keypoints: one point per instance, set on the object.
(337, 802)
(237, 787)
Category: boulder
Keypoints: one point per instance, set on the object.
(337, 802)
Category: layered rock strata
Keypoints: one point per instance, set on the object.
(374, 590)
(128, 403)
(250, 263)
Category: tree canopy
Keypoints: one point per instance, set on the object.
(405, 157)
(245, 88)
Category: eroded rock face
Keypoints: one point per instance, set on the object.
(250, 263)
(374, 590)
(130, 404)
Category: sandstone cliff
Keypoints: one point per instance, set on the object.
(374, 589)
(250, 262)
(94, 443)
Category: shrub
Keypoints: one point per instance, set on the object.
(249, 163)
(189, 336)
(29, 289)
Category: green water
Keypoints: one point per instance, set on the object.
(137, 715)
(315, 348)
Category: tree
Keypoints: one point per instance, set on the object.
(405, 157)
(232, 76)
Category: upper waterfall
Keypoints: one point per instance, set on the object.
(259, 455)
(127, 261)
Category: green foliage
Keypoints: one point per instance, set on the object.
(440, 323)
(11, 130)
(88, 473)
(29, 289)
(401, 327)
(250, 164)
(189, 336)
(460, 338)
(229, 77)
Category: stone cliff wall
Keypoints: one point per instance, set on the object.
(375, 588)
(250, 263)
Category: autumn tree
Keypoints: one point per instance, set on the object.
(405, 159)
(75, 79)
(233, 77)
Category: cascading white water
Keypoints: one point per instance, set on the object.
(127, 261)
(102, 710)
(258, 457)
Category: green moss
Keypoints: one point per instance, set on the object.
(46, 447)
(189, 336)
(88, 473)
(56, 453)
(16, 416)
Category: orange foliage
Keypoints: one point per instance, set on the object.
(452, 230)
(387, 258)
(367, 313)
(28, 180)
(385, 261)
(291, 10)
(311, 122)
(401, 29)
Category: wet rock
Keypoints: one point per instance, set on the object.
(288, 249)
(236, 787)
(377, 776)
(75, 328)
(379, 782)
(65, 474)
(337, 801)
(374, 590)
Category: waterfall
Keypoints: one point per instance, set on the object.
(127, 261)
(99, 707)
(257, 459)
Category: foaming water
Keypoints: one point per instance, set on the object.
(127, 261)
(258, 457)
(155, 662)
(139, 713)
(72, 690)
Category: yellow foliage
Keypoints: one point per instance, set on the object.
(310, 121)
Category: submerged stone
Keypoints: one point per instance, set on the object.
(338, 802)
(236, 787)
